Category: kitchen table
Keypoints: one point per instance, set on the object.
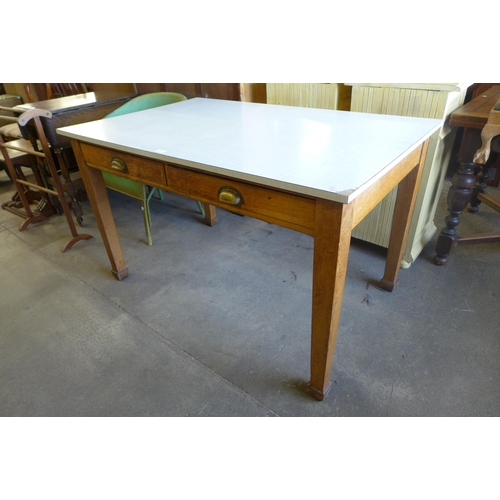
(315, 171)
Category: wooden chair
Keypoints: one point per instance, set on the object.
(47, 179)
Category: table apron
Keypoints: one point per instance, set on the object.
(283, 208)
(370, 198)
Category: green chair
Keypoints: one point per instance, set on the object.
(127, 186)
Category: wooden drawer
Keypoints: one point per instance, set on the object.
(293, 211)
(144, 170)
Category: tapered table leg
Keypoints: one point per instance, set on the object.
(99, 200)
(210, 214)
(403, 210)
(331, 250)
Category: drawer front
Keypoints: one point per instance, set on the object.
(294, 211)
(144, 170)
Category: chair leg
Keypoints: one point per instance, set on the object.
(148, 193)
(147, 214)
(151, 191)
(201, 208)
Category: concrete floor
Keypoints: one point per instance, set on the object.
(216, 321)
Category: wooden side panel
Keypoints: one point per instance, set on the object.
(253, 92)
(365, 203)
(310, 95)
(423, 103)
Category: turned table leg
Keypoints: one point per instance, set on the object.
(459, 196)
(466, 187)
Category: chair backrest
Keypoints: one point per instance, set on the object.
(147, 101)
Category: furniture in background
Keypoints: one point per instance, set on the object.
(19, 160)
(473, 91)
(481, 121)
(9, 129)
(36, 92)
(47, 183)
(71, 110)
(470, 119)
(21, 154)
(131, 187)
(42, 91)
(255, 160)
(310, 95)
(248, 92)
(74, 109)
(426, 101)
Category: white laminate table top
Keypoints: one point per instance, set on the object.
(334, 155)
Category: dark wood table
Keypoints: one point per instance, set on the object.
(75, 109)
(474, 114)
(65, 111)
(467, 183)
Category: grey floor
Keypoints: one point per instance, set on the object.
(215, 321)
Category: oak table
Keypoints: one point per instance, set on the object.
(315, 171)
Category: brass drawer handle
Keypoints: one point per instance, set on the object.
(230, 195)
(118, 164)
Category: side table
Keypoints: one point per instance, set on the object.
(467, 188)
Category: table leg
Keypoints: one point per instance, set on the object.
(458, 198)
(331, 250)
(99, 200)
(403, 210)
(459, 194)
(210, 214)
